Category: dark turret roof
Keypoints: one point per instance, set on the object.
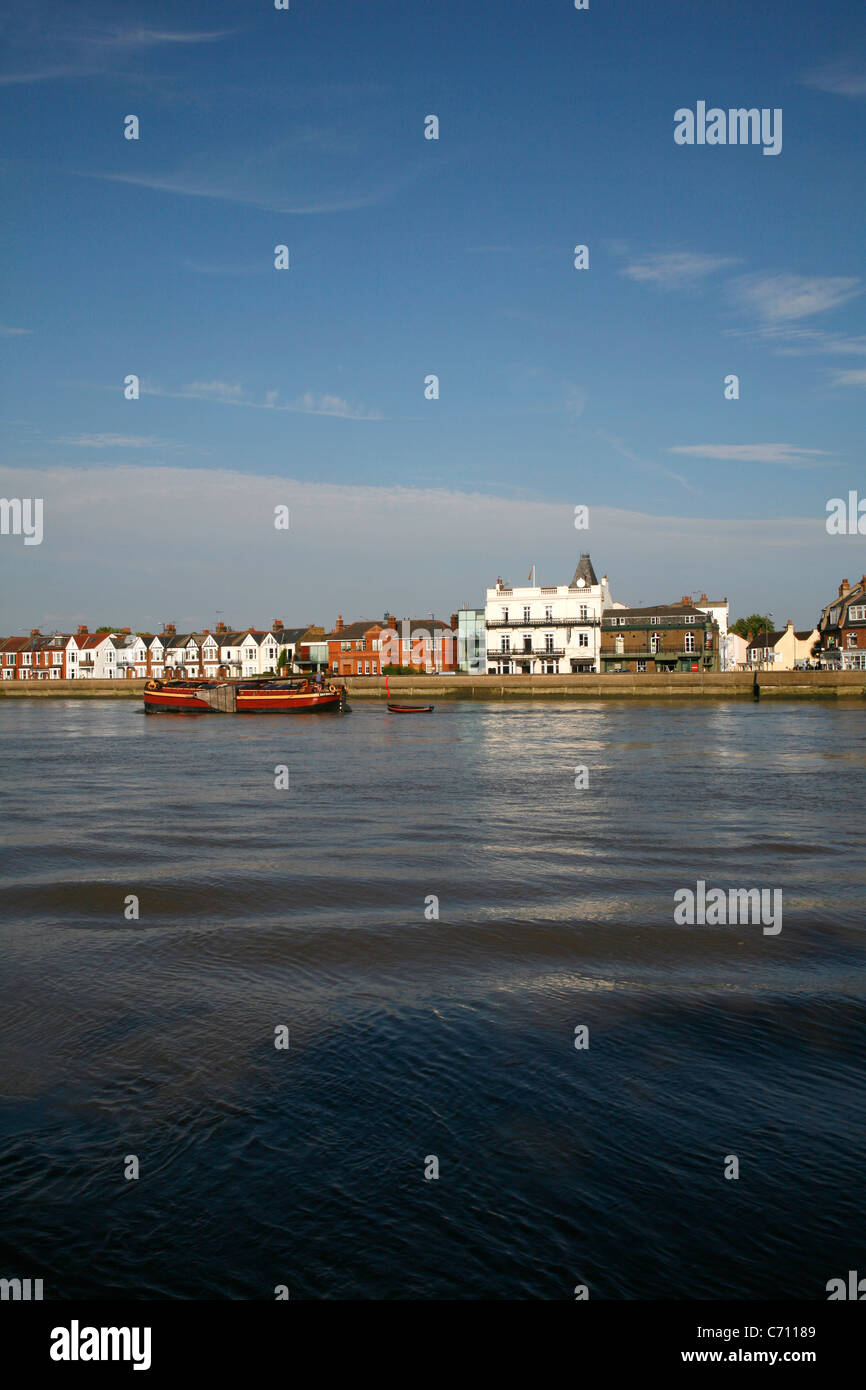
(584, 571)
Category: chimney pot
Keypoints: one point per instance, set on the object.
(82, 631)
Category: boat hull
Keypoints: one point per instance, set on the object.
(203, 697)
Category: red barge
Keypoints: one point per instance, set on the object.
(241, 697)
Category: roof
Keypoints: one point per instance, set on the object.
(289, 635)
(585, 572)
(767, 639)
(354, 630)
(666, 610)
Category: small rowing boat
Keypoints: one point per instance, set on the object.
(411, 709)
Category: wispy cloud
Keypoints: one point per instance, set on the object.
(855, 377)
(676, 270)
(798, 342)
(230, 189)
(7, 331)
(112, 441)
(99, 52)
(783, 298)
(232, 393)
(844, 76)
(657, 468)
(789, 454)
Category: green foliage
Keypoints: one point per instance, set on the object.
(756, 624)
(400, 671)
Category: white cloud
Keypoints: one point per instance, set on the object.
(209, 390)
(188, 534)
(232, 393)
(7, 331)
(788, 454)
(842, 76)
(780, 299)
(676, 270)
(851, 378)
(112, 441)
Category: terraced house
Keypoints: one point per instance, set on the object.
(842, 627)
(666, 637)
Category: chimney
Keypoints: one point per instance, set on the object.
(127, 630)
(170, 627)
(221, 627)
(277, 625)
(338, 626)
(843, 587)
(704, 598)
(205, 632)
(34, 632)
(453, 622)
(687, 598)
(789, 623)
(82, 631)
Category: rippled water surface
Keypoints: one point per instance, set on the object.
(412, 1036)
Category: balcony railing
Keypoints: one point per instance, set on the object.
(537, 654)
(544, 622)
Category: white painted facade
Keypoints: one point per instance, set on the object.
(550, 629)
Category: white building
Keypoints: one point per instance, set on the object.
(719, 611)
(547, 628)
(97, 656)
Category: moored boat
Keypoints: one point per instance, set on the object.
(411, 709)
(240, 697)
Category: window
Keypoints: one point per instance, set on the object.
(375, 667)
(548, 641)
(526, 612)
(583, 639)
(655, 620)
(619, 642)
(641, 665)
(621, 622)
(655, 642)
(366, 668)
(505, 615)
(852, 639)
(690, 617)
(345, 646)
(506, 642)
(359, 667)
(548, 613)
(857, 612)
(584, 612)
(690, 641)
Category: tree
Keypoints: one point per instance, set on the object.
(756, 624)
(284, 660)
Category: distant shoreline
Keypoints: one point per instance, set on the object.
(712, 685)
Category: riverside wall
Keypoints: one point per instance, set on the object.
(713, 685)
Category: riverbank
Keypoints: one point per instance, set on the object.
(714, 685)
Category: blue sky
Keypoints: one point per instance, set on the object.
(409, 257)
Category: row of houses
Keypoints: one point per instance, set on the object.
(531, 629)
(121, 655)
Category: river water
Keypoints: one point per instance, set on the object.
(431, 908)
